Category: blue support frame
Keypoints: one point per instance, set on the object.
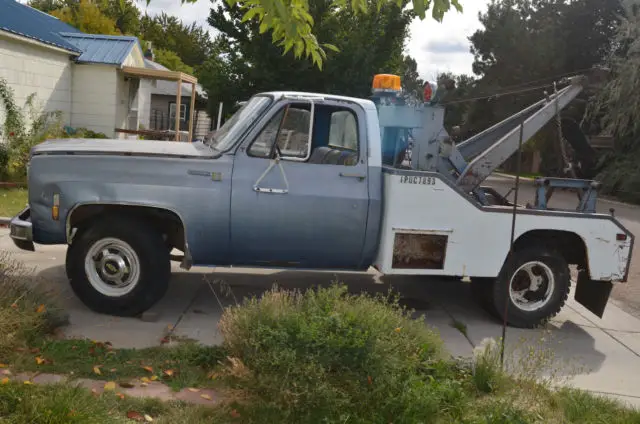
(587, 191)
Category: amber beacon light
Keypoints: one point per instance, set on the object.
(386, 82)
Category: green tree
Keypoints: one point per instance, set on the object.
(124, 13)
(292, 24)
(87, 17)
(190, 42)
(172, 61)
(249, 62)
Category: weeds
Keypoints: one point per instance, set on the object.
(26, 312)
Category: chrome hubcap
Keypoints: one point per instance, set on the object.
(531, 286)
(112, 267)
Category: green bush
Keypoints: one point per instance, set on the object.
(327, 356)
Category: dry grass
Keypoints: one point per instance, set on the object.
(26, 311)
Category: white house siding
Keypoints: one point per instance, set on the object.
(94, 94)
(30, 68)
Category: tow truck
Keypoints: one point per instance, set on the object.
(315, 181)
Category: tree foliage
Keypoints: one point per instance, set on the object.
(87, 17)
(172, 61)
(618, 102)
(529, 43)
(249, 61)
(293, 27)
(190, 42)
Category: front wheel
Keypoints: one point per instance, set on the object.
(119, 267)
(532, 287)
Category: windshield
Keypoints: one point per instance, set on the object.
(229, 133)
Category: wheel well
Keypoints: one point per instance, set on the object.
(164, 221)
(568, 244)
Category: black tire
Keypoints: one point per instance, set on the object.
(518, 317)
(482, 293)
(153, 259)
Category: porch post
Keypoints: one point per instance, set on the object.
(178, 99)
(192, 111)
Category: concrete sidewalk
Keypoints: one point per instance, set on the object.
(599, 355)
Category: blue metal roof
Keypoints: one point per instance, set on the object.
(105, 49)
(31, 23)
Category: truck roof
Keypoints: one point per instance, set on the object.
(365, 103)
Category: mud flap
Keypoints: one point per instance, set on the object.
(593, 295)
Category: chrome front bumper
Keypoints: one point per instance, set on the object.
(21, 231)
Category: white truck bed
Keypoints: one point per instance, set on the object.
(430, 228)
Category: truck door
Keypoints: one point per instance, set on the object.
(299, 188)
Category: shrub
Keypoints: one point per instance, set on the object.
(325, 355)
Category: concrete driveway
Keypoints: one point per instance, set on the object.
(600, 355)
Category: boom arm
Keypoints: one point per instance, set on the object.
(487, 159)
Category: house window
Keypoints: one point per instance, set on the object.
(183, 111)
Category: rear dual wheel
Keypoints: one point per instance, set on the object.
(532, 287)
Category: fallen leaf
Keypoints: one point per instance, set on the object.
(72, 413)
(135, 415)
(213, 375)
(147, 368)
(96, 370)
(191, 389)
(127, 384)
(4, 380)
(41, 309)
(148, 418)
(28, 382)
(398, 329)
(234, 413)
(129, 362)
(39, 360)
(205, 396)
(120, 395)
(110, 385)
(74, 347)
(145, 379)
(168, 373)
(369, 379)
(153, 378)
(35, 350)
(113, 370)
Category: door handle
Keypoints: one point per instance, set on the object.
(358, 176)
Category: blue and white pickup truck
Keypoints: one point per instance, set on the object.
(314, 181)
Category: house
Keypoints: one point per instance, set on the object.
(158, 113)
(94, 80)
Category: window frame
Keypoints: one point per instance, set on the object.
(281, 100)
(357, 125)
(286, 108)
(183, 111)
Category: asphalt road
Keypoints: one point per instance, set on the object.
(625, 295)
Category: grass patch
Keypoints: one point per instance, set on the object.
(319, 356)
(12, 201)
(184, 365)
(58, 403)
